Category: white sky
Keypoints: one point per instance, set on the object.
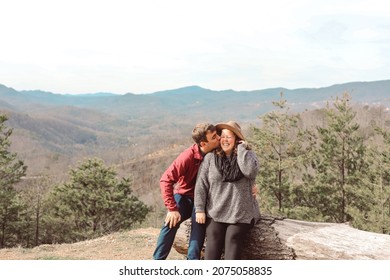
(119, 46)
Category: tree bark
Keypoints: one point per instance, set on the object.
(286, 239)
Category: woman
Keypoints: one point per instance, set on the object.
(223, 193)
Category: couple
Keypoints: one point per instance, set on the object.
(224, 207)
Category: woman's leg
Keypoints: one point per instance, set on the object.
(235, 235)
(215, 236)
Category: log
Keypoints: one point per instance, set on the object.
(274, 238)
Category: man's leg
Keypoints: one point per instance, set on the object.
(164, 242)
(198, 232)
(167, 235)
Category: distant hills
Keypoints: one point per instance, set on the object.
(106, 124)
(193, 100)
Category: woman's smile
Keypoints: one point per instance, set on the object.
(228, 139)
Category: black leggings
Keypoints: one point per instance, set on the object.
(220, 235)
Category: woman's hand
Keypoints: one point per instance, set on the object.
(254, 190)
(244, 143)
(200, 218)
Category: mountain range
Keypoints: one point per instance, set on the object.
(192, 100)
(105, 124)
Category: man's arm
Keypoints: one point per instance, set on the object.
(167, 182)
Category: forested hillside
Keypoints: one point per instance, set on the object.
(324, 154)
(124, 127)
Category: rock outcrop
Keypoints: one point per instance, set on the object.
(285, 239)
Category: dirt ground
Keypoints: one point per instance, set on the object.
(137, 244)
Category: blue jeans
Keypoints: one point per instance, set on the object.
(167, 235)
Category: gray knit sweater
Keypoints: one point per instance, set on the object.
(228, 202)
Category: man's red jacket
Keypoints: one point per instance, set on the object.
(180, 177)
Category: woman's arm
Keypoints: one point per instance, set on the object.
(247, 161)
(201, 189)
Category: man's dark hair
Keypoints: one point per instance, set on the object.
(200, 130)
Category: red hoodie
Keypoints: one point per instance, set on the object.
(180, 177)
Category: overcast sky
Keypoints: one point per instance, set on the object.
(121, 46)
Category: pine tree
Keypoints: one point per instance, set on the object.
(11, 171)
(94, 202)
(334, 182)
(278, 145)
(33, 197)
(378, 218)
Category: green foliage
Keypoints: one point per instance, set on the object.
(378, 218)
(11, 171)
(334, 183)
(326, 172)
(33, 197)
(279, 146)
(92, 203)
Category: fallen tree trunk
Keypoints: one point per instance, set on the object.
(285, 239)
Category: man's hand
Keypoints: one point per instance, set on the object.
(172, 218)
(200, 218)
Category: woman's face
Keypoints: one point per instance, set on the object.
(228, 139)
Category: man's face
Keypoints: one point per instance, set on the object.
(212, 141)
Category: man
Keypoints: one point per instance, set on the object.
(177, 187)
